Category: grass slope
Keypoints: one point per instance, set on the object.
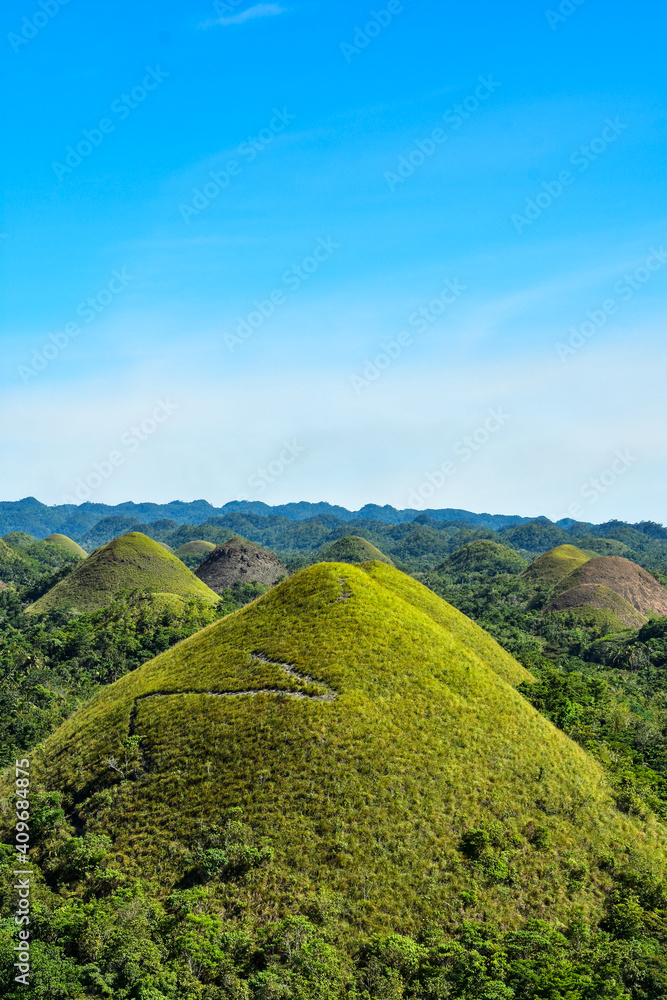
(362, 729)
(132, 562)
(555, 565)
(594, 595)
(352, 549)
(67, 543)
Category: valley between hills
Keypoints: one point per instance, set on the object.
(301, 754)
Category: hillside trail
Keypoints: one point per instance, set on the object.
(287, 668)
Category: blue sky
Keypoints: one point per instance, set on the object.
(313, 174)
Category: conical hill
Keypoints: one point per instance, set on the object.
(351, 745)
(634, 584)
(131, 562)
(19, 539)
(69, 544)
(352, 549)
(194, 553)
(483, 556)
(553, 566)
(196, 548)
(240, 561)
(594, 596)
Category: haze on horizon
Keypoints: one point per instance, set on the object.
(298, 251)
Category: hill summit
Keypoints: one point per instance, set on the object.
(635, 585)
(194, 553)
(586, 596)
(67, 543)
(485, 557)
(349, 748)
(352, 549)
(240, 561)
(554, 565)
(131, 562)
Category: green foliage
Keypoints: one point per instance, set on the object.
(240, 594)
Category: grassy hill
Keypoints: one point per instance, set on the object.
(196, 548)
(600, 620)
(352, 549)
(483, 557)
(358, 771)
(335, 793)
(555, 565)
(67, 543)
(132, 562)
(19, 540)
(194, 553)
(25, 562)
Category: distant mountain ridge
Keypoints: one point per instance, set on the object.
(308, 526)
(40, 520)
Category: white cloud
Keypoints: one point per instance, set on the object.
(566, 426)
(259, 10)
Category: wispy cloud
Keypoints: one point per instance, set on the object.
(259, 10)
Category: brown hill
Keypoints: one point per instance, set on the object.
(625, 578)
(240, 561)
(594, 595)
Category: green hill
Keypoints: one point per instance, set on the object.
(485, 557)
(7, 553)
(13, 565)
(352, 549)
(132, 562)
(19, 540)
(196, 548)
(335, 793)
(194, 553)
(67, 543)
(25, 562)
(357, 741)
(555, 565)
